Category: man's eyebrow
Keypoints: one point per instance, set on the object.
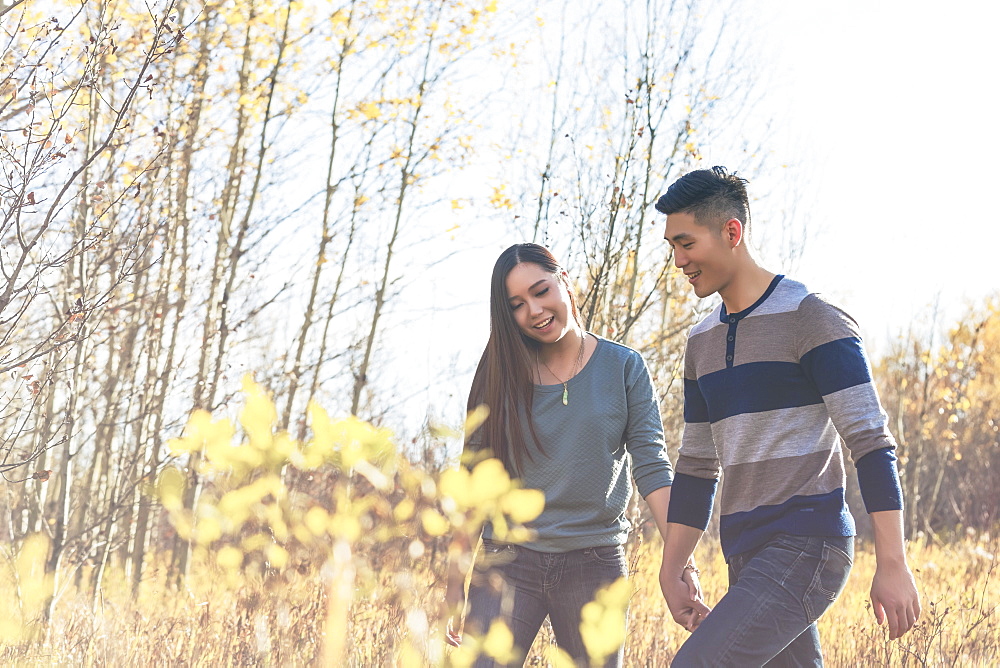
(533, 286)
(679, 236)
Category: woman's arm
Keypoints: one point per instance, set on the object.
(658, 501)
(461, 556)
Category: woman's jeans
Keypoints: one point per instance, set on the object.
(520, 587)
(776, 593)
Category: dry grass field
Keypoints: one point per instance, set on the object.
(351, 574)
(287, 618)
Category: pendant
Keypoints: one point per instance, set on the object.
(565, 395)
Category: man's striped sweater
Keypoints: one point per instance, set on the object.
(766, 392)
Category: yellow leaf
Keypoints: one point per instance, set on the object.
(234, 17)
(454, 484)
(370, 110)
(345, 527)
(499, 200)
(403, 510)
(170, 486)
(557, 657)
(475, 418)
(434, 523)
(259, 415)
(229, 557)
(322, 428)
(207, 530)
(489, 481)
(602, 621)
(515, 535)
(277, 556)
(35, 587)
(317, 520)
(256, 542)
(499, 642)
(523, 505)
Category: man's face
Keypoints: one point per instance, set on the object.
(704, 254)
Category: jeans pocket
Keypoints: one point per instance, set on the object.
(607, 554)
(827, 582)
(495, 554)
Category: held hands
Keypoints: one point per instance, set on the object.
(895, 599)
(690, 577)
(683, 595)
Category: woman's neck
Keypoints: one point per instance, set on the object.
(568, 347)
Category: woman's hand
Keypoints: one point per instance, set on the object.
(454, 607)
(690, 578)
(453, 633)
(683, 596)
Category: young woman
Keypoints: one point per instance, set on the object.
(566, 406)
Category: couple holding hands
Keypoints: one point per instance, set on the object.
(774, 379)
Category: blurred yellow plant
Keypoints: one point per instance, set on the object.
(26, 589)
(371, 500)
(602, 621)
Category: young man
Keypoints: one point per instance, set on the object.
(771, 377)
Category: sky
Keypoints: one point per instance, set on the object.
(883, 134)
(888, 109)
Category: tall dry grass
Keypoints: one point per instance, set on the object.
(280, 619)
(352, 572)
(959, 585)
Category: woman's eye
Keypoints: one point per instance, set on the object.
(515, 307)
(686, 246)
(539, 294)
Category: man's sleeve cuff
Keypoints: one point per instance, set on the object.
(879, 481)
(691, 501)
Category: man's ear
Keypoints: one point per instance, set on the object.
(732, 231)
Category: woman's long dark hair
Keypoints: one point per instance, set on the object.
(504, 379)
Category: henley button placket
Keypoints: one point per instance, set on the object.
(731, 341)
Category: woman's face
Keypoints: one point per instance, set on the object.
(540, 303)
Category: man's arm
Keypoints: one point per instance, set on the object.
(834, 359)
(687, 518)
(894, 593)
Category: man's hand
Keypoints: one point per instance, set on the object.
(895, 599)
(680, 585)
(894, 593)
(683, 597)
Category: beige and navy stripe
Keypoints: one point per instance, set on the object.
(768, 394)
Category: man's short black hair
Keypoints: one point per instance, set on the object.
(712, 196)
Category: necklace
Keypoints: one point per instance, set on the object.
(576, 365)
